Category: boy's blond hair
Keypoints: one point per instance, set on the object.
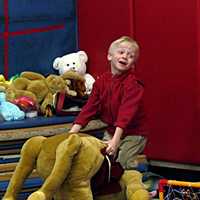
(122, 39)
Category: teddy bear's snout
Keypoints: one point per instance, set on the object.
(71, 67)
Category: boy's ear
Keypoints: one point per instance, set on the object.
(109, 57)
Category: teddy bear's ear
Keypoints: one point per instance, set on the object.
(83, 56)
(56, 63)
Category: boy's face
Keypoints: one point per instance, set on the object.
(122, 57)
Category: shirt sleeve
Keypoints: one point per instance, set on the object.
(131, 100)
(90, 109)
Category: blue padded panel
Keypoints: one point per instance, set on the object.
(5, 160)
(29, 183)
(34, 39)
(37, 121)
(10, 146)
(21, 195)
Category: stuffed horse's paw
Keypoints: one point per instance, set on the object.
(9, 198)
(140, 195)
(38, 195)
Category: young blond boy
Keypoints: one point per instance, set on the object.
(117, 98)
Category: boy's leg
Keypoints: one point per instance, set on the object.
(130, 147)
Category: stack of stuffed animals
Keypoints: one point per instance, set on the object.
(33, 92)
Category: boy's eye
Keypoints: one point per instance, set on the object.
(131, 56)
(120, 52)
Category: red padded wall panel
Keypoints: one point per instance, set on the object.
(167, 32)
(100, 22)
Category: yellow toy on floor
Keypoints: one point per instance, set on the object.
(67, 162)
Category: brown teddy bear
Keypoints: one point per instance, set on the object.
(67, 162)
(75, 82)
(41, 89)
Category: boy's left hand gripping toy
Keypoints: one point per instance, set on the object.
(75, 62)
(67, 162)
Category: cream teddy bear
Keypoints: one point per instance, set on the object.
(75, 62)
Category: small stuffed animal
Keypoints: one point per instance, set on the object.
(75, 62)
(3, 82)
(36, 87)
(8, 110)
(75, 83)
(27, 105)
(67, 162)
(42, 89)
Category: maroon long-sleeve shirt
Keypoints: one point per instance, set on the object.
(118, 100)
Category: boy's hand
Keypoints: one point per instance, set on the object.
(112, 147)
(75, 128)
(113, 144)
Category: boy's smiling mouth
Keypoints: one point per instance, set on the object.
(122, 62)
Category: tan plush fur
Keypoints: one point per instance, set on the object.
(41, 89)
(67, 163)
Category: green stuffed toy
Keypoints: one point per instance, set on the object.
(67, 163)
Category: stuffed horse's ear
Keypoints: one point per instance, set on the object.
(83, 56)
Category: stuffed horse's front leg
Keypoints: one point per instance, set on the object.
(132, 180)
(64, 156)
(29, 153)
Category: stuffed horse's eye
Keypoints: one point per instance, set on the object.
(68, 65)
(74, 63)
